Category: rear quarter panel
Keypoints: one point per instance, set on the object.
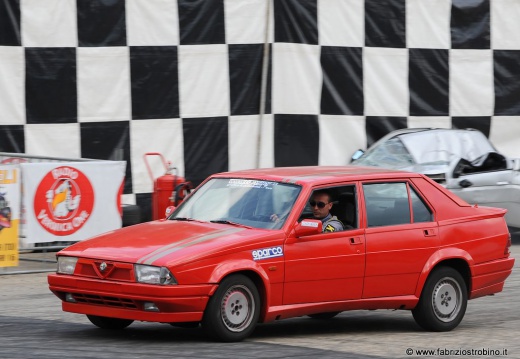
(477, 236)
(483, 239)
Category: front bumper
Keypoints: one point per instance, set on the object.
(178, 303)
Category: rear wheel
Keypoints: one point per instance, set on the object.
(233, 311)
(443, 301)
(109, 323)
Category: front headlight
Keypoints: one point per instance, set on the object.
(66, 265)
(153, 275)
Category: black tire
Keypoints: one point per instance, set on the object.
(109, 323)
(443, 301)
(131, 215)
(233, 311)
(324, 316)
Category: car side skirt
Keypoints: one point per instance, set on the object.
(297, 310)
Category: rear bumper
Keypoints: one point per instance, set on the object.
(488, 278)
(183, 303)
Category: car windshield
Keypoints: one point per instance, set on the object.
(427, 148)
(237, 201)
(390, 153)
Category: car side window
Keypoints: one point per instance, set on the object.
(421, 212)
(387, 204)
(344, 205)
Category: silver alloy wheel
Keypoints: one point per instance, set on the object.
(446, 299)
(237, 308)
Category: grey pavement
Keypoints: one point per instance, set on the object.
(33, 324)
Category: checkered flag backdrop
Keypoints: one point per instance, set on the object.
(218, 85)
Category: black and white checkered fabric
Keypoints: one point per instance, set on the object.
(114, 79)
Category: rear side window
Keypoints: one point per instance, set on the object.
(389, 204)
(421, 212)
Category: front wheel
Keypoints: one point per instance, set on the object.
(233, 311)
(109, 323)
(443, 301)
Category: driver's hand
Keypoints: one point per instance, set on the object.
(274, 218)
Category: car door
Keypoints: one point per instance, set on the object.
(326, 266)
(483, 187)
(400, 236)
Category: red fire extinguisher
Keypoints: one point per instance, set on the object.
(168, 189)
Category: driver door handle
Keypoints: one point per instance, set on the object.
(355, 240)
(430, 232)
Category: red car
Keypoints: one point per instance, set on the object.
(245, 247)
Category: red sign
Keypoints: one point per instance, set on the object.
(63, 201)
(13, 160)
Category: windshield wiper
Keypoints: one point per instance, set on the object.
(225, 221)
(182, 219)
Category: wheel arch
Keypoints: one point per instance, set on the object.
(251, 270)
(455, 258)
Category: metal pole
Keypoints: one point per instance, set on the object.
(263, 84)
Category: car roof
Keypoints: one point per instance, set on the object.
(317, 174)
(405, 131)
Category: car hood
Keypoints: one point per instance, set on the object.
(163, 242)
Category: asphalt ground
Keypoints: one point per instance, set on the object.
(32, 325)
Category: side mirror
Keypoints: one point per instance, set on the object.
(357, 155)
(169, 210)
(308, 227)
(180, 192)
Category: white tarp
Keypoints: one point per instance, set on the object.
(71, 201)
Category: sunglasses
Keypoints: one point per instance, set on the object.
(319, 204)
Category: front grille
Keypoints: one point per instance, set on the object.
(115, 271)
(104, 300)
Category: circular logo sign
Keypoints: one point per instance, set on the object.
(13, 160)
(63, 201)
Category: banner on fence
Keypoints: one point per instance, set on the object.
(71, 201)
(10, 200)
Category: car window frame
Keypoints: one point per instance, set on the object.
(358, 213)
(409, 187)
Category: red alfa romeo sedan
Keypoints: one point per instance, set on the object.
(254, 246)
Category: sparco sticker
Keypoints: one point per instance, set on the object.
(63, 201)
(267, 253)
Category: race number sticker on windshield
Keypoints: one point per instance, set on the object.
(63, 201)
(234, 182)
(266, 253)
